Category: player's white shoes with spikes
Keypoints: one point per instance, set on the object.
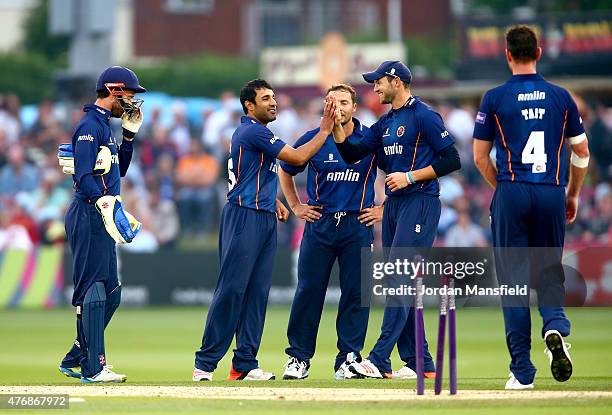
(366, 369)
(558, 355)
(514, 384)
(404, 373)
(295, 369)
(201, 375)
(343, 371)
(106, 375)
(258, 374)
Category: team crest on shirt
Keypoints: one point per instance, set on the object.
(400, 130)
(330, 159)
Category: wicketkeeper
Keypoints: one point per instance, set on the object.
(96, 221)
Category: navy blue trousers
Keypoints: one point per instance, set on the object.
(324, 241)
(247, 245)
(526, 215)
(94, 259)
(408, 221)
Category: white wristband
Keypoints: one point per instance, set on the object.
(578, 139)
(580, 162)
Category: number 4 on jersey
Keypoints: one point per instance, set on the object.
(534, 152)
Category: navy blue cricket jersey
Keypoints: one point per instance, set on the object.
(252, 166)
(92, 132)
(530, 121)
(334, 184)
(408, 138)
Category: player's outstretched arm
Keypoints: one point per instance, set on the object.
(353, 151)
(579, 163)
(484, 164)
(299, 209)
(301, 155)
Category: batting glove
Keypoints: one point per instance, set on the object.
(119, 224)
(65, 158)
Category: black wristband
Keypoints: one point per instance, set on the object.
(448, 162)
(128, 134)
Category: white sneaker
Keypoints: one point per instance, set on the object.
(404, 373)
(558, 355)
(258, 374)
(366, 369)
(295, 369)
(514, 384)
(343, 371)
(106, 375)
(200, 375)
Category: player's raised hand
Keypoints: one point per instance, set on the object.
(371, 216)
(396, 181)
(571, 209)
(131, 122)
(328, 121)
(306, 212)
(282, 213)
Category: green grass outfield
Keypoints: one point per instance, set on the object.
(156, 347)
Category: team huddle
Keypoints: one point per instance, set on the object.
(529, 121)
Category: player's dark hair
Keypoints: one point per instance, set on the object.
(522, 43)
(344, 88)
(102, 94)
(391, 78)
(249, 91)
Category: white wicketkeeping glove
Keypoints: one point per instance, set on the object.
(131, 123)
(65, 158)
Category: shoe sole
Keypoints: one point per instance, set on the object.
(561, 365)
(69, 373)
(289, 377)
(104, 381)
(353, 370)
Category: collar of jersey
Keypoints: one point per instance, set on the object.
(409, 104)
(526, 77)
(357, 127)
(98, 111)
(245, 119)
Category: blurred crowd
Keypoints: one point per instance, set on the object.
(177, 182)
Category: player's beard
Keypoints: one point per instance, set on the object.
(116, 109)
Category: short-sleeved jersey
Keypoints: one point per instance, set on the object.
(334, 184)
(91, 133)
(252, 166)
(409, 138)
(530, 120)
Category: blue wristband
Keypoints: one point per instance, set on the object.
(410, 178)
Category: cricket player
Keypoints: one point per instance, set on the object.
(415, 150)
(96, 221)
(531, 122)
(247, 238)
(339, 216)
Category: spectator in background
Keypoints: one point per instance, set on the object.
(165, 177)
(196, 175)
(45, 118)
(4, 146)
(180, 131)
(465, 233)
(13, 235)
(155, 147)
(600, 224)
(17, 175)
(9, 117)
(219, 119)
(600, 141)
(286, 121)
(164, 220)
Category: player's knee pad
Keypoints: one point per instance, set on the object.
(113, 299)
